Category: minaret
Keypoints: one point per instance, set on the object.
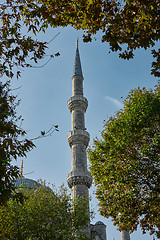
(125, 235)
(79, 179)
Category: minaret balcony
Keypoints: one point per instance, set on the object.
(78, 137)
(77, 178)
(77, 103)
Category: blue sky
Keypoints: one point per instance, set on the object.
(44, 94)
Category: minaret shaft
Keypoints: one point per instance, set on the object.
(78, 121)
(125, 235)
(79, 158)
(79, 179)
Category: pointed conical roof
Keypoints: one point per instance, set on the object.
(77, 70)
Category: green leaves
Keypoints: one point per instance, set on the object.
(125, 25)
(42, 133)
(43, 214)
(12, 142)
(125, 163)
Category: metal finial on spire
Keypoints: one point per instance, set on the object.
(21, 170)
(77, 42)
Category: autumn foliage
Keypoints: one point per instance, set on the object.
(126, 25)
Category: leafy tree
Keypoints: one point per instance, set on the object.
(126, 25)
(12, 141)
(18, 49)
(43, 215)
(125, 163)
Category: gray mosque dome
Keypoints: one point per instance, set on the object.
(99, 223)
(23, 182)
(26, 182)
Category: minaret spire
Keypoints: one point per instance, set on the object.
(77, 70)
(79, 179)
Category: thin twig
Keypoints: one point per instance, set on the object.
(42, 65)
(53, 38)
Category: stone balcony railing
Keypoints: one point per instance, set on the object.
(77, 103)
(78, 137)
(78, 178)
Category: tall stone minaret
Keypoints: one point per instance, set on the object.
(79, 179)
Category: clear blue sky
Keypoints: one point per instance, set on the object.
(44, 94)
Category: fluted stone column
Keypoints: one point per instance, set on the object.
(79, 179)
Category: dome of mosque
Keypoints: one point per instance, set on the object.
(26, 182)
(99, 223)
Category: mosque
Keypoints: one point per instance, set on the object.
(79, 179)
